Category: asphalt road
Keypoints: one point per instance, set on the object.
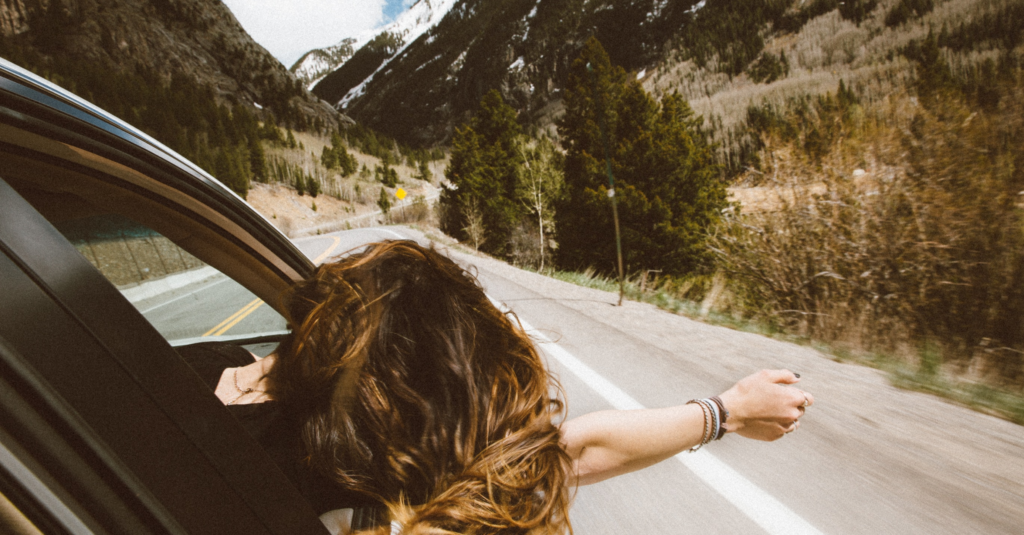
(868, 458)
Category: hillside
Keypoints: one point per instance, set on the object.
(196, 39)
(810, 47)
(522, 47)
(723, 56)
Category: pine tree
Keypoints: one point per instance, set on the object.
(312, 186)
(933, 74)
(423, 171)
(345, 161)
(384, 202)
(666, 183)
(328, 158)
(591, 79)
(464, 178)
(387, 175)
(484, 169)
(257, 159)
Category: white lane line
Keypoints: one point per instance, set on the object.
(361, 229)
(391, 232)
(772, 515)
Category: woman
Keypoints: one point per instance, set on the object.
(402, 387)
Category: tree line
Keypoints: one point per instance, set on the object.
(504, 187)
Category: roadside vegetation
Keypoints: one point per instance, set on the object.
(884, 141)
(710, 300)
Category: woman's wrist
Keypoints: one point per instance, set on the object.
(715, 417)
(733, 422)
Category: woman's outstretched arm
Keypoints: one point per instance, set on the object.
(605, 444)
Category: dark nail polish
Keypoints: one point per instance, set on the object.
(797, 375)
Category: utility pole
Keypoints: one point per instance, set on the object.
(611, 182)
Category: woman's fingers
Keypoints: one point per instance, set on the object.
(780, 376)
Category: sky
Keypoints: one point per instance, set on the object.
(290, 28)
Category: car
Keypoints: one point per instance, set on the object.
(113, 250)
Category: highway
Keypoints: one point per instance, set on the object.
(867, 459)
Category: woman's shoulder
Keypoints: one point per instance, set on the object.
(210, 359)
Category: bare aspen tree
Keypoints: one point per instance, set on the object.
(540, 182)
(474, 228)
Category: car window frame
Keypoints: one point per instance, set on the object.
(73, 292)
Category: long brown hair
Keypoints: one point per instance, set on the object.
(414, 390)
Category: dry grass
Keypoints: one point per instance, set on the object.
(924, 247)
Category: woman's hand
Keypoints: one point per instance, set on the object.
(605, 444)
(764, 406)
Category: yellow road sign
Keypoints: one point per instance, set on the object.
(400, 193)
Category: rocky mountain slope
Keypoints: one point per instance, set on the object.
(723, 56)
(200, 39)
(417, 91)
(380, 44)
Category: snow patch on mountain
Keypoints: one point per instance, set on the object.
(317, 63)
(409, 26)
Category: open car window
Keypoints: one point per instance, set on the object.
(102, 424)
(185, 299)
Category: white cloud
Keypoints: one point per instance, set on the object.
(290, 28)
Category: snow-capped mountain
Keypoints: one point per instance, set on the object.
(406, 28)
(418, 83)
(317, 63)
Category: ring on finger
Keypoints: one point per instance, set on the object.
(807, 402)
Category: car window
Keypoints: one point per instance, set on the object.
(185, 299)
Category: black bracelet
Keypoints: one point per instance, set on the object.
(723, 415)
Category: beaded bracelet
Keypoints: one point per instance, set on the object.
(715, 419)
(715, 416)
(711, 422)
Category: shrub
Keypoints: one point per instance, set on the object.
(926, 248)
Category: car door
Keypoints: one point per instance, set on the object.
(103, 428)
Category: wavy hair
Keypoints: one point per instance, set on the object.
(414, 390)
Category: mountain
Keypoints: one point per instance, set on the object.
(319, 62)
(723, 56)
(381, 44)
(198, 39)
(418, 89)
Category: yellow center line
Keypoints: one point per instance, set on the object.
(337, 241)
(231, 317)
(243, 312)
(240, 317)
